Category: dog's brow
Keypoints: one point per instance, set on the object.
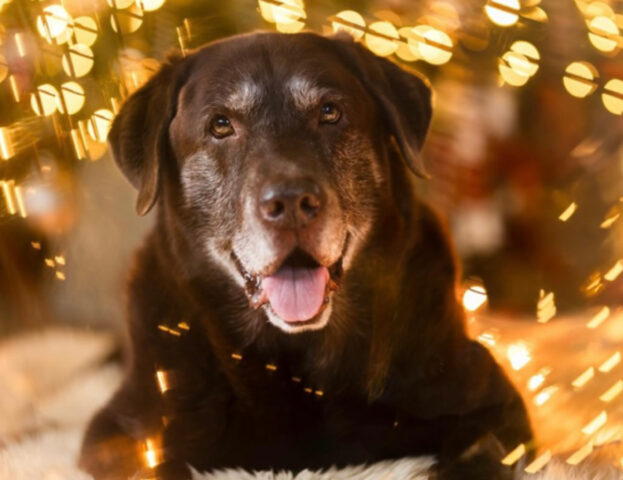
(304, 91)
(244, 97)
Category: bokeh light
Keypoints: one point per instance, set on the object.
(503, 13)
(351, 22)
(579, 79)
(381, 38)
(612, 96)
(44, 101)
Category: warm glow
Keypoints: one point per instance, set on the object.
(85, 30)
(544, 395)
(44, 101)
(599, 318)
(518, 355)
(595, 424)
(474, 298)
(53, 22)
(351, 22)
(528, 57)
(78, 61)
(99, 124)
(72, 98)
(539, 462)
(568, 212)
(546, 307)
(603, 33)
(435, 47)
(514, 455)
(584, 378)
(152, 456)
(613, 96)
(150, 5)
(379, 38)
(579, 79)
(127, 21)
(580, 454)
(503, 13)
(612, 274)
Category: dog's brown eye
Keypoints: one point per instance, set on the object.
(329, 113)
(221, 127)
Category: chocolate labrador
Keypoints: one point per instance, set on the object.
(295, 304)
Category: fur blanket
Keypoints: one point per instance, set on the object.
(53, 381)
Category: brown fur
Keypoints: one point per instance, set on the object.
(391, 374)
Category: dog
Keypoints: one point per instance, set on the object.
(295, 304)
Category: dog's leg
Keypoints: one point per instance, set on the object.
(115, 445)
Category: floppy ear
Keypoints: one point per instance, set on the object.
(139, 134)
(403, 97)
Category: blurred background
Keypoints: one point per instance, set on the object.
(525, 151)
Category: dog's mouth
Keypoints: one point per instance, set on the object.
(297, 291)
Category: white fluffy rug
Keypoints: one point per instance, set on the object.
(52, 382)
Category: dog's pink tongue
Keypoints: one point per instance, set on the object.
(296, 294)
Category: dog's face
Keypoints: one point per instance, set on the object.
(271, 150)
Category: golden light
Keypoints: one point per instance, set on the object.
(603, 33)
(85, 30)
(514, 455)
(610, 218)
(546, 307)
(163, 382)
(612, 97)
(44, 101)
(78, 61)
(288, 15)
(580, 454)
(474, 298)
(612, 274)
(351, 22)
(612, 392)
(536, 380)
(610, 363)
(595, 424)
(518, 355)
(99, 124)
(53, 22)
(152, 453)
(530, 53)
(7, 190)
(511, 71)
(503, 13)
(379, 38)
(19, 198)
(407, 50)
(488, 338)
(595, 9)
(544, 395)
(579, 79)
(127, 21)
(435, 46)
(72, 98)
(599, 318)
(586, 376)
(4, 68)
(19, 44)
(539, 462)
(150, 5)
(6, 144)
(119, 4)
(568, 212)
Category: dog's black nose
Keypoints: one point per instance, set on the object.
(291, 203)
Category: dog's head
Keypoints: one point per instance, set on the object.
(271, 152)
